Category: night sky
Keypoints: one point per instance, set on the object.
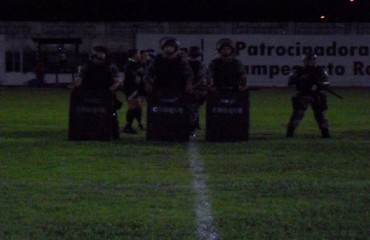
(186, 10)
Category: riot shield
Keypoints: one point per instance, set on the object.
(227, 116)
(168, 118)
(91, 115)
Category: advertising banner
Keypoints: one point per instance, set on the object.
(2, 59)
(269, 59)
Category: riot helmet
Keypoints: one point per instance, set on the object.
(169, 41)
(309, 58)
(98, 54)
(225, 42)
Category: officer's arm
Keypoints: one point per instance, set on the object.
(324, 78)
(243, 77)
(117, 80)
(293, 78)
(149, 76)
(209, 76)
(80, 75)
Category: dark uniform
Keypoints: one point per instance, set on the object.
(98, 77)
(100, 74)
(133, 79)
(134, 90)
(308, 81)
(199, 85)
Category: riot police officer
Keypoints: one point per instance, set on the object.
(226, 73)
(168, 73)
(227, 90)
(309, 81)
(168, 82)
(101, 74)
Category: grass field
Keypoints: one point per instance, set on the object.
(267, 188)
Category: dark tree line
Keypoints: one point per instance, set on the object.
(185, 10)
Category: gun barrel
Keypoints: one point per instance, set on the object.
(332, 92)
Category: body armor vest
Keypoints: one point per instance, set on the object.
(226, 73)
(169, 73)
(306, 78)
(97, 77)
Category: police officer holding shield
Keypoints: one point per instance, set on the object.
(309, 80)
(101, 74)
(227, 105)
(168, 82)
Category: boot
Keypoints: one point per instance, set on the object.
(325, 133)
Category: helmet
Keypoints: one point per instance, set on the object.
(96, 55)
(194, 51)
(99, 49)
(310, 56)
(169, 41)
(225, 42)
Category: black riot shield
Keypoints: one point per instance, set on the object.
(91, 115)
(168, 118)
(227, 117)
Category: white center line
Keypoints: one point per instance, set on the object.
(203, 209)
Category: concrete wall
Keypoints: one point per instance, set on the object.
(118, 37)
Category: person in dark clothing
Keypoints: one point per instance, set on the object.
(168, 74)
(100, 74)
(226, 73)
(199, 86)
(309, 80)
(134, 71)
(145, 58)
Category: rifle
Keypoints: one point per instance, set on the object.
(331, 91)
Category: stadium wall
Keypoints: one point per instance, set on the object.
(18, 51)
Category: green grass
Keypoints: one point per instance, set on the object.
(267, 188)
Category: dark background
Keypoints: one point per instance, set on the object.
(186, 10)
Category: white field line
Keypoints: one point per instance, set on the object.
(203, 209)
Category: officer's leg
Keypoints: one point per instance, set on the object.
(199, 102)
(322, 122)
(319, 106)
(139, 112)
(130, 116)
(299, 105)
